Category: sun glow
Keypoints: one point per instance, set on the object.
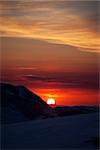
(51, 101)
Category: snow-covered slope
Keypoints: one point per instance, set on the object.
(11, 115)
(80, 131)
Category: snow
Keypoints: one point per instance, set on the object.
(11, 115)
(61, 132)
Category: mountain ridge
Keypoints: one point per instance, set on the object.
(24, 101)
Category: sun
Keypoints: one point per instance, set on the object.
(51, 101)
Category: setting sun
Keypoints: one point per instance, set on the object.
(49, 81)
(51, 101)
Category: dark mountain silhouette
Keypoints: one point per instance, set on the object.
(19, 102)
(75, 110)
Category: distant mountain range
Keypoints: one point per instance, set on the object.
(75, 110)
(20, 104)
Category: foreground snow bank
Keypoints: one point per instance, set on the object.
(67, 132)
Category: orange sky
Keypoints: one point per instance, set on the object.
(52, 47)
(69, 96)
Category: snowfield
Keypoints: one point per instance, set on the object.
(69, 132)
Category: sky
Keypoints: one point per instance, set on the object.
(52, 48)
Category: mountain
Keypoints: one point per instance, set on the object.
(75, 110)
(20, 104)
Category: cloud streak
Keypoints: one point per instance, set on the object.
(69, 80)
(71, 23)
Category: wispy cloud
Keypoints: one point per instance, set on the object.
(73, 23)
(69, 80)
(26, 68)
